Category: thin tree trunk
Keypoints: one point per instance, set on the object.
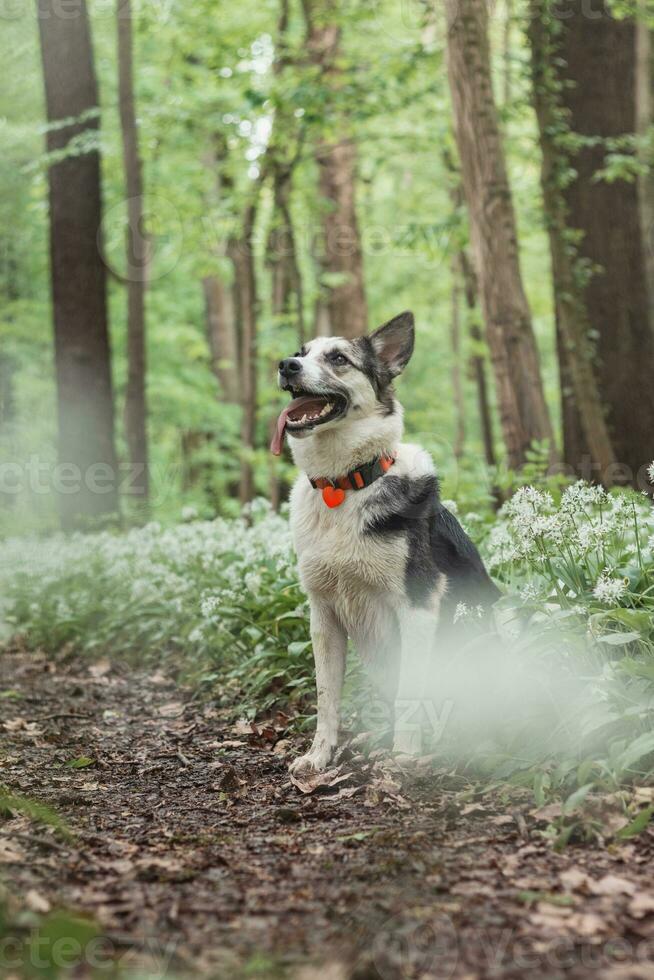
(477, 361)
(282, 156)
(576, 453)
(644, 119)
(523, 411)
(507, 54)
(287, 293)
(137, 261)
(221, 335)
(81, 335)
(572, 316)
(281, 255)
(7, 393)
(457, 382)
(7, 414)
(463, 271)
(595, 57)
(247, 312)
(342, 255)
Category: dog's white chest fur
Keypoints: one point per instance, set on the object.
(361, 575)
(339, 561)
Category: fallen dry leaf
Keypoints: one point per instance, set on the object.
(328, 971)
(10, 853)
(174, 709)
(100, 668)
(612, 885)
(243, 727)
(346, 793)
(228, 781)
(503, 820)
(14, 725)
(547, 813)
(37, 902)
(574, 879)
(311, 781)
(473, 809)
(587, 924)
(641, 905)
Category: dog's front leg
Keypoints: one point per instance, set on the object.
(415, 683)
(329, 648)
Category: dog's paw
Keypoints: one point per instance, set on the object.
(315, 760)
(407, 741)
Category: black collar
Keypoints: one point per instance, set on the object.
(359, 478)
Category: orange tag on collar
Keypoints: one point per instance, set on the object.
(333, 496)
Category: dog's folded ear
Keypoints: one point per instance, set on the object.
(393, 342)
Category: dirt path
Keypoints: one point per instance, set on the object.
(193, 852)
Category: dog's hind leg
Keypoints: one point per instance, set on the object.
(414, 691)
(329, 650)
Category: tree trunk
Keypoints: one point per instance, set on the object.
(597, 55)
(507, 54)
(7, 393)
(287, 300)
(282, 156)
(281, 255)
(221, 335)
(342, 256)
(457, 383)
(247, 306)
(571, 314)
(81, 336)
(7, 415)
(477, 361)
(576, 453)
(523, 411)
(644, 119)
(137, 260)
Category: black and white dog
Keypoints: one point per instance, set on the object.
(380, 557)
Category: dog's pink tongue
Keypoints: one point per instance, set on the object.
(277, 440)
(304, 401)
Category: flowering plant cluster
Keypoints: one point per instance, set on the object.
(220, 598)
(592, 549)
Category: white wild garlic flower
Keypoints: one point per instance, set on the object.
(609, 589)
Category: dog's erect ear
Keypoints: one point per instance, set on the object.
(393, 342)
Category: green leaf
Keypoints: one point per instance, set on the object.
(39, 812)
(637, 825)
(619, 639)
(82, 762)
(576, 798)
(635, 751)
(297, 647)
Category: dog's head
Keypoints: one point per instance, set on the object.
(332, 380)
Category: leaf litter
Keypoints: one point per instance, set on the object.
(194, 852)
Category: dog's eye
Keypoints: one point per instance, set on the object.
(337, 358)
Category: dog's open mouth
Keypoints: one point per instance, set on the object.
(306, 411)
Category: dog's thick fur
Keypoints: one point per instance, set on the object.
(388, 563)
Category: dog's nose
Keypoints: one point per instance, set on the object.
(289, 367)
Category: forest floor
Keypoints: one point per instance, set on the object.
(190, 852)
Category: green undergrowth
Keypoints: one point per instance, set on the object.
(557, 695)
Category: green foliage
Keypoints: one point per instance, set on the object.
(11, 804)
(569, 659)
(206, 94)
